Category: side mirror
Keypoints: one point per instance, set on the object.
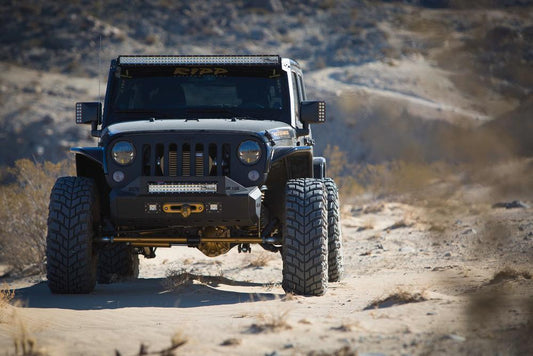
(313, 112)
(88, 113)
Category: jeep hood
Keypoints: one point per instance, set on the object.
(230, 125)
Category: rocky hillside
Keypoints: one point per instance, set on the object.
(400, 71)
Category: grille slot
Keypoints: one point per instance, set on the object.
(186, 159)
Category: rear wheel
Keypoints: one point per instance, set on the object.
(335, 254)
(117, 262)
(70, 253)
(305, 237)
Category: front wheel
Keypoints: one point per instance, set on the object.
(305, 237)
(70, 253)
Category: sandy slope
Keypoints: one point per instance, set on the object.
(440, 258)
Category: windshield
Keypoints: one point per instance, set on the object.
(198, 92)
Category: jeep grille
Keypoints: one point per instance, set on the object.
(186, 159)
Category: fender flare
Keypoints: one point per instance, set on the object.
(279, 153)
(297, 160)
(94, 154)
(319, 167)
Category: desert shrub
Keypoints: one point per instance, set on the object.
(395, 176)
(24, 211)
(6, 296)
(341, 171)
(261, 260)
(275, 321)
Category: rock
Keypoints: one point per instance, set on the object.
(356, 211)
(48, 119)
(269, 5)
(435, 4)
(455, 337)
(448, 254)
(34, 89)
(273, 353)
(501, 37)
(231, 342)
(469, 231)
(406, 249)
(511, 205)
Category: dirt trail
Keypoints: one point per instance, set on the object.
(394, 253)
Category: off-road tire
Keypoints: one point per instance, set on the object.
(70, 253)
(117, 262)
(305, 237)
(335, 253)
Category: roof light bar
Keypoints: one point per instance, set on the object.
(183, 188)
(200, 60)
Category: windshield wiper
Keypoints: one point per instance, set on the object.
(152, 113)
(229, 113)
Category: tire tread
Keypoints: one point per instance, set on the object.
(335, 251)
(305, 262)
(71, 261)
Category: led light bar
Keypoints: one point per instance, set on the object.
(200, 60)
(183, 188)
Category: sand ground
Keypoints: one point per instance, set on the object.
(444, 268)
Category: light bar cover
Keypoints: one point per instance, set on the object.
(183, 188)
(200, 60)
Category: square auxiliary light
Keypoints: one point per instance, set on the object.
(200, 60)
(183, 188)
(321, 111)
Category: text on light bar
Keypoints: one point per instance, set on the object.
(183, 188)
(198, 60)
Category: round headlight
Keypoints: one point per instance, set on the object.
(123, 152)
(249, 152)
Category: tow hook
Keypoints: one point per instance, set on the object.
(185, 209)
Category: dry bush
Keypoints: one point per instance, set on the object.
(176, 341)
(343, 351)
(23, 341)
(346, 326)
(367, 224)
(289, 297)
(395, 176)
(25, 344)
(271, 322)
(398, 225)
(398, 297)
(261, 260)
(178, 278)
(509, 274)
(24, 211)
(6, 296)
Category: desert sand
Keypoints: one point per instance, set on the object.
(417, 281)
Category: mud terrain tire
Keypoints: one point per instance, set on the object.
(71, 256)
(335, 254)
(117, 262)
(305, 233)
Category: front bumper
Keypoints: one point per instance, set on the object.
(152, 202)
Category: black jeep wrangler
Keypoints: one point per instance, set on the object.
(210, 152)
